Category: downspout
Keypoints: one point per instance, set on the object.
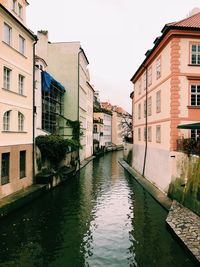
(145, 149)
(34, 111)
(80, 51)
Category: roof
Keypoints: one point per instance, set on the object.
(191, 23)
(21, 24)
(189, 126)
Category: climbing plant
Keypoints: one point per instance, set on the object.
(52, 148)
(76, 130)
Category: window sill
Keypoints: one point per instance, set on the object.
(19, 132)
(14, 49)
(193, 107)
(194, 65)
(12, 92)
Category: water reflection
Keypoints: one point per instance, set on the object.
(100, 218)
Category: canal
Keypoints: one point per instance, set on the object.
(100, 218)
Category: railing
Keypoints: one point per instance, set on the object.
(189, 146)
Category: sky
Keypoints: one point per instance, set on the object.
(115, 35)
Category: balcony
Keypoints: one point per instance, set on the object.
(189, 146)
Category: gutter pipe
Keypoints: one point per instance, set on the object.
(145, 149)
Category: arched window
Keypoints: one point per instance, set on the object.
(6, 121)
(20, 122)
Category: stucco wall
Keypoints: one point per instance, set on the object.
(15, 182)
(158, 165)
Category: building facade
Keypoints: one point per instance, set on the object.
(16, 101)
(68, 63)
(166, 94)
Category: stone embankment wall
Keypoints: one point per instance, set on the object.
(128, 150)
(185, 185)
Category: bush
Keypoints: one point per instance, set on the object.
(52, 148)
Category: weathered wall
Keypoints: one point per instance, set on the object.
(185, 185)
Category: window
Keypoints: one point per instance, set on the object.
(6, 121)
(6, 78)
(158, 68)
(139, 86)
(145, 80)
(139, 134)
(20, 122)
(158, 134)
(139, 111)
(145, 133)
(149, 134)
(14, 5)
(145, 107)
(22, 164)
(21, 84)
(195, 54)
(195, 94)
(21, 45)
(7, 34)
(195, 134)
(149, 76)
(149, 106)
(5, 166)
(95, 129)
(20, 10)
(158, 101)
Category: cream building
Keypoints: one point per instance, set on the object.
(166, 94)
(16, 98)
(69, 64)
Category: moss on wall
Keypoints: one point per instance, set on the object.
(187, 191)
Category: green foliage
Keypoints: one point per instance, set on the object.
(52, 148)
(76, 131)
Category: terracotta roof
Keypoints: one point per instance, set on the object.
(192, 21)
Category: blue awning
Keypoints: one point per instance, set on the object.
(47, 80)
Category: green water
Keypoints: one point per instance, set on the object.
(102, 217)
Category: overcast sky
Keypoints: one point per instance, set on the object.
(115, 35)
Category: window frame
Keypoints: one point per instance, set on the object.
(22, 164)
(20, 10)
(6, 121)
(21, 80)
(158, 133)
(7, 78)
(139, 111)
(158, 67)
(196, 54)
(149, 134)
(149, 106)
(5, 168)
(158, 101)
(22, 45)
(195, 94)
(20, 122)
(139, 134)
(7, 34)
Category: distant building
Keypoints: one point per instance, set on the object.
(68, 63)
(16, 105)
(166, 94)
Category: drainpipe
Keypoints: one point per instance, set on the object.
(80, 51)
(34, 111)
(145, 149)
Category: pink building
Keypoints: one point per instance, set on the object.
(16, 94)
(166, 94)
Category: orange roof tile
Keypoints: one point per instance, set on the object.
(192, 21)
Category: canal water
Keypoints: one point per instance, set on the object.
(100, 218)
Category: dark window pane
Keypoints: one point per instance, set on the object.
(198, 100)
(193, 100)
(22, 163)
(198, 88)
(194, 48)
(193, 59)
(5, 162)
(193, 88)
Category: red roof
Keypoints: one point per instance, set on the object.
(192, 21)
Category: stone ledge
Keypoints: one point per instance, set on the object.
(186, 225)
